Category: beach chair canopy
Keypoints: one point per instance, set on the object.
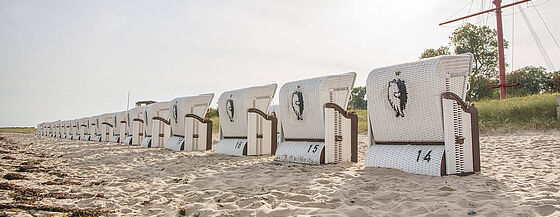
(413, 121)
(189, 126)
(308, 109)
(233, 108)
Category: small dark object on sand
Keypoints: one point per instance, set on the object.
(182, 212)
(14, 176)
(472, 212)
(8, 157)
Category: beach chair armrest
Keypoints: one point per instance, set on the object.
(341, 134)
(263, 127)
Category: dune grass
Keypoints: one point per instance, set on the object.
(18, 129)
(215, 124)
(534, 112)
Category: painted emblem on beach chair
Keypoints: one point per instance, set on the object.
(417, 119)
(246, 128)
(191, 130)
(315, 126)
(297, 104)
(397, 95)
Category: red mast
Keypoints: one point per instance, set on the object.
(501, 59)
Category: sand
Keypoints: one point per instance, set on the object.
(520, 177)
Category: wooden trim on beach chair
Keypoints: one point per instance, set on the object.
(471, 109)
(274, 128)
(108, 124)
(208, 123)
(354, 128)
(162, 120)
(138, 119)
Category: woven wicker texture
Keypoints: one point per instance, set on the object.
(174, 143)
(425, 81)
(233, 106)
(179, 107)
(303, 118)
(419, 159)
(300, 152)
(231, 146)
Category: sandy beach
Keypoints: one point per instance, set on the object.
(50, 176)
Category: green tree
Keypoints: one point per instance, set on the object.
(482, 42)
(430, 52)
(358, 98)
(212, 113)
(532, 80)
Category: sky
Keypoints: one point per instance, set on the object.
(67, 59)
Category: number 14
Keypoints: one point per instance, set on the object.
(427, 157)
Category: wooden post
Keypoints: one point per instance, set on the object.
(557, 107)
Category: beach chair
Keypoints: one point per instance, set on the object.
(52, 129)
(316, 128)
(72, 131)
(136, 121)
(246, 128)
(157, 129)
(76, 129)
(56, 127)
(66, 129)
(95, 128)
(92, 128)
(84, 129)
(39, 131)
(119, 131)
(107, 125)
(190, 129)
(417, 118)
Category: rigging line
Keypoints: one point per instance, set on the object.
(488, 14)
(459, 10)
(542, 3)
(469, 11)
(538, 41)
(512, 36)
(549, 32)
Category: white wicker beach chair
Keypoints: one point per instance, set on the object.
(98, 128)
(136, 121)
(190, 129)
(56, 125)
(120, 129)
(41, 129)
(38, 129)
(92, 127)
(107, 123)
(418, 121)
(316, 127)
(84, 128)
(161, 128)
(75, 129)
(246, 128)
(52, 129)
(156, 129)
(66, 130)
